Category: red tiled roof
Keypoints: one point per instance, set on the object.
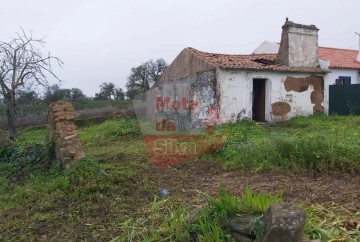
(252, 62)
(340, 58)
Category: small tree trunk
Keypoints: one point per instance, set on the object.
(11, 112)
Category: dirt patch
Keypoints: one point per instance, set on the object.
(98, 216)
(182, 181)
(280, 108)
(302, 85)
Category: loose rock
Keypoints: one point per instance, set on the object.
(283, 223)
(241, 224)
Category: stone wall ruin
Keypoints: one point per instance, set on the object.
(62, 132)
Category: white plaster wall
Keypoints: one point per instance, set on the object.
(303, 47)
(300, 102)
(267, 47)
(330, 78)
(235, 90)
(236, 86)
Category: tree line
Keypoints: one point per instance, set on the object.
(140, 80)
(24, 68)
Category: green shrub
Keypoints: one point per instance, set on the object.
(7, 153)
(22, 162)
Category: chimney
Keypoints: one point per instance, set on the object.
(299, 45)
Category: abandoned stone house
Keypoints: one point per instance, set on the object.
(275, 82)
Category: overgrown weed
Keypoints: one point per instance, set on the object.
(313, 144)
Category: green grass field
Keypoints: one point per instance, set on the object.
(107, 195)
(318, 143)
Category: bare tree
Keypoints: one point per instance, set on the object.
(22, 62)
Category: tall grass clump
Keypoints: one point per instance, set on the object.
(250, 201)
(210, 229)
(258, 202)
(318, 143)
(225, 205)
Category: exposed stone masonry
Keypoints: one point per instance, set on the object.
(63, 133)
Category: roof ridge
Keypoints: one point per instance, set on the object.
(212, 53)
(334, 48)
(195, 51)
(340, 58)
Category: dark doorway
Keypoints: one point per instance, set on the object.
(259, 100)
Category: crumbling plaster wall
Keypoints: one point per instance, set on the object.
(186, 77)
(199, 88)
(235, 88)
(330, 79)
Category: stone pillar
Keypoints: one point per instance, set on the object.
(62, 132)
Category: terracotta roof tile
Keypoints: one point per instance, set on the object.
(251, 62)
(340, 58)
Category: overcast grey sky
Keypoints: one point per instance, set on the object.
(99, 41)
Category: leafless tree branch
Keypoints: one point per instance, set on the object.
(22, 61)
